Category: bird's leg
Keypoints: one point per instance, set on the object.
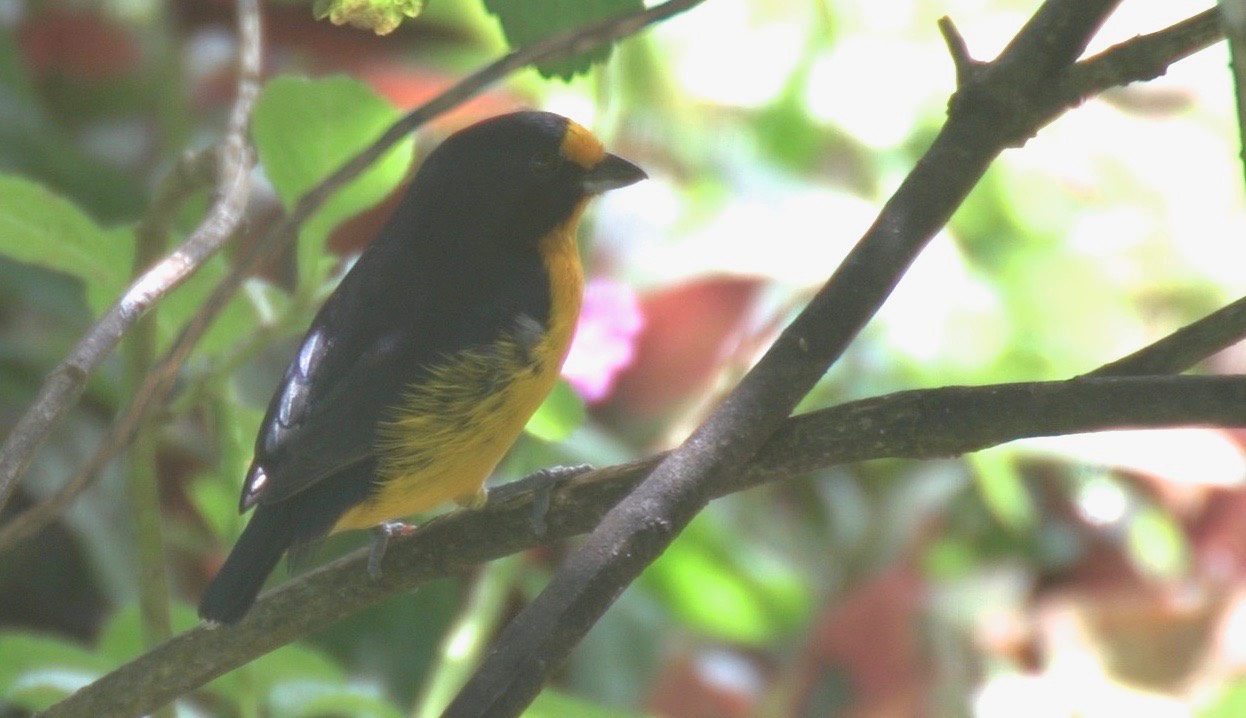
(541, 484)
(381, 535)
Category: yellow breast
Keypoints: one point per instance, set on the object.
(455, 427)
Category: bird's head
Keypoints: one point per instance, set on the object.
(528, 171)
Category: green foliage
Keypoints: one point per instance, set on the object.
(39, 227)
(1231, 702)
(727, 588)
(1003, 489)
(294, 680)
(304, 130)
(1156, 544)
(38, 670)
(553, 704)
(528, 21)
(559, 415)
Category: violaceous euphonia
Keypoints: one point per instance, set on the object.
(425, 363)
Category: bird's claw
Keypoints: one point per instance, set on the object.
(381, 535)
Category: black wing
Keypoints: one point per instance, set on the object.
(348, 371)
(397, 311)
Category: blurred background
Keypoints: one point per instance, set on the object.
(1092, 575)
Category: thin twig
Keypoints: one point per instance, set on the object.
(160, 381)
(66, 383)
(961, 59)
(1233, 20)
(1185, 347)
(1142, 58)
(924, 424)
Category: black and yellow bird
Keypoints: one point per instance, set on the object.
(421, 369)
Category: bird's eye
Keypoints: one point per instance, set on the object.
(544, 164)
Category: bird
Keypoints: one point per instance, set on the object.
(422, 367)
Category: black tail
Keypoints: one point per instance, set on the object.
(231, 593)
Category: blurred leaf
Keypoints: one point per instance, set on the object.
(39, 689)
(121, 639)
(561, 413)
(37, 670)
(304, 130)
(236, 320)
(553, 704)
(949, 558)
(528, 21)
(215, 493)
(314, 699)
(1230, 704)
(379, 16)
(42, 228)
(1003, 489)
(34, 145)
(217, 504)
(292, 663)
(723, 586)
(1156, 544)
(13, 79)
(616, 660)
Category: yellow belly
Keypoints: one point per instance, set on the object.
(454, 428)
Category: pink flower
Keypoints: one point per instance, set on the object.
(605, 338)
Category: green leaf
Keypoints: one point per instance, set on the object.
(304, 130)
(724, 587)
(217, 504)
(41, 228)
(13, 77)
(561, 413)
(313, 699)
(1231, 702)
(121, 639)
(1157, 544)
(1002, 489)
(379, 16)
(237, 319)
(293, 663)
(553, 704)
(525, 22)
(37, 670)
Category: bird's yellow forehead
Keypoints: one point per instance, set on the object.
(581, 147)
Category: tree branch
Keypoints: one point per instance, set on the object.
(923, 424)
(159, 382)
(1003, 105)
(920, 424)
(66, 383)
(1185, 347)
(1144, 57)
(1233, 20)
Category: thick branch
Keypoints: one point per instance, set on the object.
(914, 424)
(1001, 106)
(67, 381)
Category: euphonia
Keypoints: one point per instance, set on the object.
(423, 366)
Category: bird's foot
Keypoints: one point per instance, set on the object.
(541, 484)
(381, 535)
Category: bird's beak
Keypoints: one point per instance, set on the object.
(612, 172)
